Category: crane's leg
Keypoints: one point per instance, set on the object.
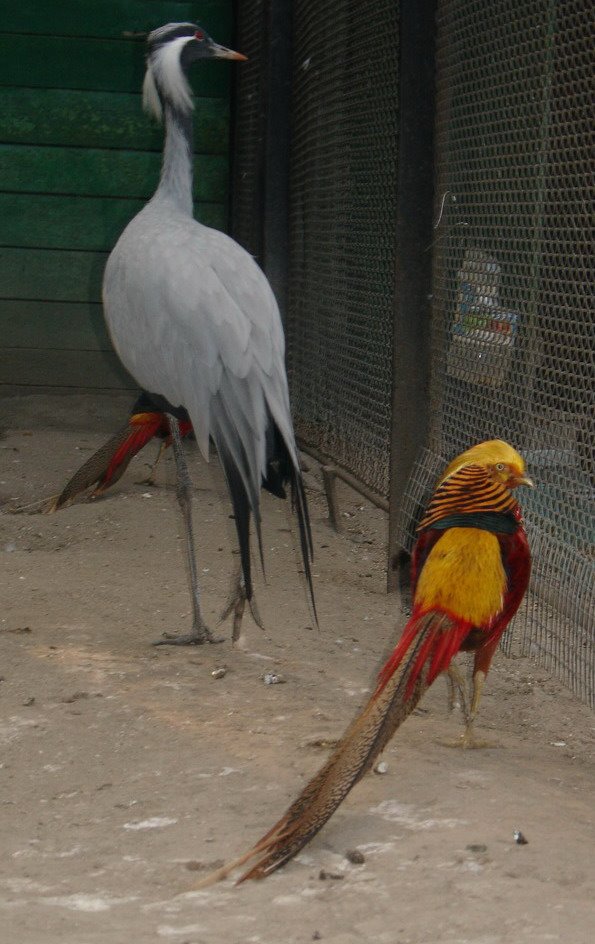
(200, 632)
(236, 604)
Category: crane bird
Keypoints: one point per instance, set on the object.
(194, 320)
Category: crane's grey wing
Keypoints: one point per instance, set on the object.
(193, 318)
(249, 289)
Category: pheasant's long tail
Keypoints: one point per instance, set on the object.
(108, 464)
(426, 648)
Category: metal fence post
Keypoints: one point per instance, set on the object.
(411, 338)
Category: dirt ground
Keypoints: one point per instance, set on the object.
(128, 771)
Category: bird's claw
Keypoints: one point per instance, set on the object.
(198, 637)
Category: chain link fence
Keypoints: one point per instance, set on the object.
(247, 134)
(513, 339)
(512, 346)
(342, 235)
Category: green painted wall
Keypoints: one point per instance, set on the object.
(78, 158)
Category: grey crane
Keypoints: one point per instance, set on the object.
(194, 320)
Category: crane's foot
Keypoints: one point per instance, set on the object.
(199, 635)
(236, 604)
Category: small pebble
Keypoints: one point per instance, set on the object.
(273, 678)
(28, 702)
(381, 767)
(323, 875)
(355, 856)
(519, 838)
(219, 673)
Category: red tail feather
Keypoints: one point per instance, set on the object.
(143, 427)
(441, 644)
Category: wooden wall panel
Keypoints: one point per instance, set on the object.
(96, 64)
(101, 173)
(77, 159)
(109, 18)
(42, 275)
(36, 325)
(60, 222)
(97, 120)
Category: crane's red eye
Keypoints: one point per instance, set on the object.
(199, 35)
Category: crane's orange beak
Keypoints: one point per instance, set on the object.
(222, 52)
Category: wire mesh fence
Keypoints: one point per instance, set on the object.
(342, 239)
(513, 339)
(512, 327)
(246, 207)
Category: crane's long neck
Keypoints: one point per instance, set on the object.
(175, 183)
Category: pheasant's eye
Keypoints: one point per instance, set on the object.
(500, 467)
(199, 35)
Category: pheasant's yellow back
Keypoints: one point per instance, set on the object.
(463, 574)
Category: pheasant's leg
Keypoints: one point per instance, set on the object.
(468, 739)
(150, 479)
(200, 632)
(456, 689)
(470, 708)
(236, 604)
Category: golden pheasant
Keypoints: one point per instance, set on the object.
(106, 466)
(470, 570)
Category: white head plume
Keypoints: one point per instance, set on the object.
(164, 78)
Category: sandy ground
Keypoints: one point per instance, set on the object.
(128, 771)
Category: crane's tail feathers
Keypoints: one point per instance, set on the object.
(283, 469)
(394, 699)
(241, 509)
(245, 492)
(111, 460)
(240, 463)
(306, 544)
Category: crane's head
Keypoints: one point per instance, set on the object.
(503, 463)
(171, 51)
